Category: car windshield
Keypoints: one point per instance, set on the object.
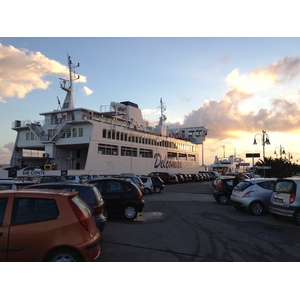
(241, 186)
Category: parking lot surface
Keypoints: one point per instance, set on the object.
(185, 224)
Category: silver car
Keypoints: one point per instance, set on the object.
(253, 195)
(285, 200)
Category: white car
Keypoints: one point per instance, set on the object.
(148, 185)
(253, 195)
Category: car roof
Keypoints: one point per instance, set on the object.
(64, 183)
(107, 179)
(38, 192)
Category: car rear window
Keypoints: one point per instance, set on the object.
(3, 203)
(81, 204)
(286, 186)
(97, 194)
(31, 210)
(241, 186)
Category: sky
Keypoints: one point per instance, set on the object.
(235, 86)
(232, 66)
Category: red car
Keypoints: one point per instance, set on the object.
(46, 225)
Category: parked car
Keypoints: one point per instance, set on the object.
(135, 179)
(14, 184)
(121, 197)
(165, 176)
(195, 177)
(180, 178)
(88, 192)
(224, 185)
(285, 199)
(253, 195)
(223, 189)
(158, 184)
(51, 178)
(76, 178)
(148, 185)
(39, 225)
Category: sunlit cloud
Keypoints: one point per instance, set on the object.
(22, 72)
(87, 91)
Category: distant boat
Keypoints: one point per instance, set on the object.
(116, 139)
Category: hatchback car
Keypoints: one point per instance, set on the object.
(39, 225)
(223, 189)
(285, 199)
(158, 184)
(148, 185)
(121, 197)
(165, 176)
(76, 178)
(88, 192)
(135, 179)
(253, 195)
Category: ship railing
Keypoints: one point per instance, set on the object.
(37, 131)
(59, 131)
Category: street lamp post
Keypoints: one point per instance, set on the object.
(265, 141)
(281, 151)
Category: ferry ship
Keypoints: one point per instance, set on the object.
(116, 139)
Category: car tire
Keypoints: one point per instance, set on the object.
(147, 191)
(297, 217)
(157, 189)
(223, 200)
(130, 212)
(64, 255)
(256, 208)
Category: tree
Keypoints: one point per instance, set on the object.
(280, 167)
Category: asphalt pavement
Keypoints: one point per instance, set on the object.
(185, 224)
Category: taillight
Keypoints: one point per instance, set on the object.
(292, 198)
(98, 209)
(247, 194)
(140, 195)
(220, 184)
(79, 214)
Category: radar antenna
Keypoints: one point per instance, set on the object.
(67, 85)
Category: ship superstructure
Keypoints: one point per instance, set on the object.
(116, 139)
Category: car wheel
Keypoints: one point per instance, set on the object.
(147, 191)
(239, 208)
(297, 217)
(256, 208)
(157, 189)
(64, 255)
(130, 212)
(223, 200)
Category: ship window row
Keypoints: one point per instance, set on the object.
(107, 149)
(140, 139)
(69, 133)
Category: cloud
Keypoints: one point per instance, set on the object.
(87, 91)
(225, 118)
(22, 71)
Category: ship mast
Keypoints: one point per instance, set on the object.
(67, 85)
(162, 117)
